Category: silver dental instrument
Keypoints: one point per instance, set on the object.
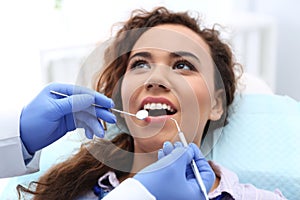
(193, 163)
(141, 114)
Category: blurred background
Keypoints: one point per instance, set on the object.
(47, 40)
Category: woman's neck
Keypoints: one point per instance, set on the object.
(142, 160)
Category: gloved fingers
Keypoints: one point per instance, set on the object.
(83, 119)
(101, 113)
(103, 100)
(178, 144)
(176, 161)
(90, 123)
(87, 120)
(100, 133)
(184, 154)
(82, 102)
(61, 87)
(198, 157)
(106, 115)
(70, 90)
(208, 178)
(74, 103)
(197, 153)
(206, 172)
(90, 132)
(189, 172)
(160, 154)
(168, 148)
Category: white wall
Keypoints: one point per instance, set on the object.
(28, 28)
(288, 44)
(19, 55)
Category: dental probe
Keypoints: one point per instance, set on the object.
(193, 163)
(141, 114)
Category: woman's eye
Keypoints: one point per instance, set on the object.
(140, 65)
(184, 65)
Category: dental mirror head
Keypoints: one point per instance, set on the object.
(142, 114)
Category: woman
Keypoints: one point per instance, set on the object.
(166, 63)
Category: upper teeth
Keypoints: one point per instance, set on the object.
(154, 106)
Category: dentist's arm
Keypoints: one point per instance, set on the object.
(44, 120)
(169, 178)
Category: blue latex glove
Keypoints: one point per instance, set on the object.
(172, 177)
(48, 116)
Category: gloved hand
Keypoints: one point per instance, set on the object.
(50, 116)
(171, 177)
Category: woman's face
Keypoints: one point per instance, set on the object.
(170, 73)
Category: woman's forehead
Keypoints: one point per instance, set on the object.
(172, 38)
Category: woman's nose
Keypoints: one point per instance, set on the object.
(158, 80)
(154, 85)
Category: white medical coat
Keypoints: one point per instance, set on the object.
(11, 154)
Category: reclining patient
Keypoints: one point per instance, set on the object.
(171, 66)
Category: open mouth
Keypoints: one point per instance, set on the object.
(159, 109)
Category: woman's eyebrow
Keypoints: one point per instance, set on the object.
(141, 54)
(176, 54)
(183, 54)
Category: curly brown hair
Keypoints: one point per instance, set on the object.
(78, 174)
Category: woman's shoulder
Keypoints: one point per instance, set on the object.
(230, 184)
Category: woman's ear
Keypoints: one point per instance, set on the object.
(217, 105)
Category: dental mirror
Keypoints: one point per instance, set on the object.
(141, 114)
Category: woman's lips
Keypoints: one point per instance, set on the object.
(158, 119)
(159, 109)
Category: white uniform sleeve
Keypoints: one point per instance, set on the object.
(11, 154)
(130, 189)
